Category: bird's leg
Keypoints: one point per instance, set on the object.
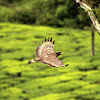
(33, 60)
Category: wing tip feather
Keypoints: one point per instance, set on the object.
(54, 42)
(46, 42)
(66, 64)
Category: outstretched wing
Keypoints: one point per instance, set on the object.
(45, 48)
(52, 60)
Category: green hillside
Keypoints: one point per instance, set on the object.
(20, 81)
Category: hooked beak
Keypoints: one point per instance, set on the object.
(61, 53)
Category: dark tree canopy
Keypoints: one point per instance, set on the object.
(46, 12)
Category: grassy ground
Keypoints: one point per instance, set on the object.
(20, 81)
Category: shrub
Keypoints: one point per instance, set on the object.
(6, 14)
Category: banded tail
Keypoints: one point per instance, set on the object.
(31, 61)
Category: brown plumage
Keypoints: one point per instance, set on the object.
(46, 55)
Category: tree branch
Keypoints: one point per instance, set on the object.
(91, 14)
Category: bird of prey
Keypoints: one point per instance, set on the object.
(46, 55)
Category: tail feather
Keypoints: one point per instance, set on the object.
(31, 61)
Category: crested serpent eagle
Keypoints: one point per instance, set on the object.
(46, 55)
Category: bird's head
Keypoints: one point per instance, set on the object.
(58, 53)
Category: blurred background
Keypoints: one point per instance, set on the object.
(23, 25)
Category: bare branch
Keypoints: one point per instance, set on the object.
(91, 14)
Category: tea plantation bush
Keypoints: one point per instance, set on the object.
(20, 81)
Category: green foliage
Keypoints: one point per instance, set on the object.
(6, 14)
(45, 12)
(97, 10)
(20, 81)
